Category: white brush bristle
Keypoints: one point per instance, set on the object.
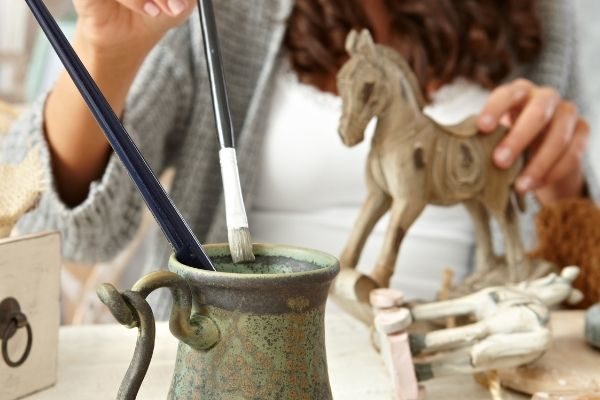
(240, 245)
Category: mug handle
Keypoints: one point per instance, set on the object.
(131, 309)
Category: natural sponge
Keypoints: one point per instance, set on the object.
(569, 234)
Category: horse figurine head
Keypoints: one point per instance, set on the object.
(374, 78)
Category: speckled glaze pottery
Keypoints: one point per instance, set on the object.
(247, 331)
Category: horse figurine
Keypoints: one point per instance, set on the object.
(415, 161)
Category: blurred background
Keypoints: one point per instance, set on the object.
(28, 67)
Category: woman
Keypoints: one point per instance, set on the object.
(155, 78)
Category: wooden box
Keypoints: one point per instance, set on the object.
(29, 273)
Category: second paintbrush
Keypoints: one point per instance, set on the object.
(240, 242)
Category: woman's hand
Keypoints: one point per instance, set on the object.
(546, 125)
(112, 39)
(123, 26)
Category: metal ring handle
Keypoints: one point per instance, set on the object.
(16, 322)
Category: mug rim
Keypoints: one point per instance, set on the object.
(328, 266)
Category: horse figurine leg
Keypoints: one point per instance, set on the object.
(485, 258)
(351, 289)
(374, 207)
(403, 213)
(516, 259)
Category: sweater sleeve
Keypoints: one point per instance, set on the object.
(158, 104)
(576, 92)
(559, 66)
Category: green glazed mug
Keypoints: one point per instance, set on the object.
(248, 331)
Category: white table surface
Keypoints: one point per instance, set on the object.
(93, 360)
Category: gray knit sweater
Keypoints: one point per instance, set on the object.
(169, 115)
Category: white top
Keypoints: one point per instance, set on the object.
(311, 186)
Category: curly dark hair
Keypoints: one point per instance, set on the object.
(442, 39)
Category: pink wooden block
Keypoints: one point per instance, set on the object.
(400, 367)
(393, 321)
(386, 298)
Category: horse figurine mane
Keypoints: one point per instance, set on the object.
(415, 161)
(360, 44)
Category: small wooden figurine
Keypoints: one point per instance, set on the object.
(415, 161)
(511, 327)
(510, 330)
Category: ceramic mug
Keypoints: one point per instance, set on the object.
(248, 331)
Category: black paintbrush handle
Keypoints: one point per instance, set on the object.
(187, 248)
(218, 87)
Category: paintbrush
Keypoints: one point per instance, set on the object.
(240, 242)
(187, 248)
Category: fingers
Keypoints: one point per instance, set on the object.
(571, 158)
(155, 8)
(173, 8)
(552, 147)
(142, 7)
(151, 9)
(537, 113)
(551, 128)
(501, 102)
